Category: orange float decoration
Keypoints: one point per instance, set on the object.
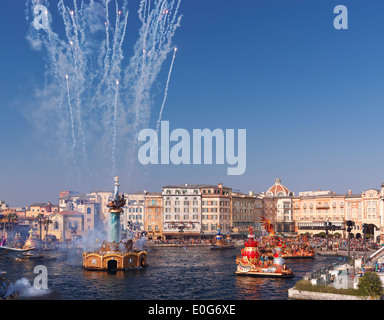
(251, 263)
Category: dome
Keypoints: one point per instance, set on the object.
(278, 190)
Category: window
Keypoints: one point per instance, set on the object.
(89, 210)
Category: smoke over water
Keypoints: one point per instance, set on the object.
(95, 99)
(24, 289)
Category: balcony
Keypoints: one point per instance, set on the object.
(322, 206)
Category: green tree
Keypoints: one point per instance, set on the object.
(370, 285)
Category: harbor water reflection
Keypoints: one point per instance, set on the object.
(172, 273)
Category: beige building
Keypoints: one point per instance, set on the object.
(277, 204)
(313, 208)
(243, 212)
(216, 209)
(182, 211)
(153, 217)
(67, 225)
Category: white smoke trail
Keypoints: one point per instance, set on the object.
(74, 143)
(114, 130)
(150, 51)
(166, 91)
(89, 52)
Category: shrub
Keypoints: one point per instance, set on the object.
(305, 285)
(370, 285)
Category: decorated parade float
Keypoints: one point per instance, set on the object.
(116, 254)
(252, 263)
(220, 243)
(291, 248)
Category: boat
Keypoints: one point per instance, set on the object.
(14, 253)
(115, 256)
(27, 251)
(251, 263)
(291, 248)
(220, 243)
(301, 254)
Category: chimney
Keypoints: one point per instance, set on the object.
(349, 192)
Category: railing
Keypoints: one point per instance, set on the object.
(377, 254)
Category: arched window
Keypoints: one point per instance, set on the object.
(89, 210)
(56, 225)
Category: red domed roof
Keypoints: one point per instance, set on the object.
(278, 190)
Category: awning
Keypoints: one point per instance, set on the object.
(182, 234)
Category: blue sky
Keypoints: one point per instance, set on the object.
(310, 97)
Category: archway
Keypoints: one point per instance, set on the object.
(112, 265)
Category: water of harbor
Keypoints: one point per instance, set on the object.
(172, 273)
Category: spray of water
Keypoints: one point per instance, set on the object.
(109, 96)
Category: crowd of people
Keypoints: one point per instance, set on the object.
(184, 241)
(342, 244)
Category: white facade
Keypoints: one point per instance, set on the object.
(182, 209)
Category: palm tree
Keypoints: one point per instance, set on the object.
(47, 222)
(12, 217)
(40, 217)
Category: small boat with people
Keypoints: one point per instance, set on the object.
(21, 251)
(220, 243)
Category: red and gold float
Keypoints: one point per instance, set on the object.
(252, 263)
